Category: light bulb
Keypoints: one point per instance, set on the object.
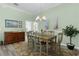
(37, 18)
(44, 18)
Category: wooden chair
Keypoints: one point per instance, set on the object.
(39, 45)
(57, 43)
(30, 41)
(36, 43)
(46, 44)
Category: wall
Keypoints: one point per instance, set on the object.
(68, 14)
(13, 14)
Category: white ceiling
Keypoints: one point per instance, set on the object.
(34, 8)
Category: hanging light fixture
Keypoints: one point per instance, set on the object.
(40, 18)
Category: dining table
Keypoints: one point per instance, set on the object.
(44, 37)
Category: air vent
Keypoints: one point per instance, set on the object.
(16, 4)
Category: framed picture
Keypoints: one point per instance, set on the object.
(13, 23)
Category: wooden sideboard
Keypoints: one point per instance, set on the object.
(13, 37)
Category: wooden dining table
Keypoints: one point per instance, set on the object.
(44, 38)
(47, 40)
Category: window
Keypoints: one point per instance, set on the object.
(28, 26)
(31, 26)
(35, 26)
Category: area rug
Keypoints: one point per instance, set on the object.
(21, 49)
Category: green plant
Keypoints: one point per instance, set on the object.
(71, 32)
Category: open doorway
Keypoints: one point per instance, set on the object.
(31, 26)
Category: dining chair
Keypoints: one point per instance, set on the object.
(46, 43)
(30, 41)
(39, 46)
(57, 43)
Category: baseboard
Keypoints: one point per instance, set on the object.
(77, 48)
(63, 44)
(66, 45)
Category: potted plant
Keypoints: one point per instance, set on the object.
(70, 31)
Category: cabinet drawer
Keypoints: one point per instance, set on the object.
(12, 37)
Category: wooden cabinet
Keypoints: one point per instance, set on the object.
(12, 37)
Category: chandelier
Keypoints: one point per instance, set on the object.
(39, 18)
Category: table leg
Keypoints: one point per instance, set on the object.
(28, 44)
(47, 47)
(40, 48)
(55, 43)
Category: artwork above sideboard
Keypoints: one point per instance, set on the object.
(13, 23)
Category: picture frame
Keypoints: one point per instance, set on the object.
(13, 23)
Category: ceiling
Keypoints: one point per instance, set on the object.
(34, 8)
